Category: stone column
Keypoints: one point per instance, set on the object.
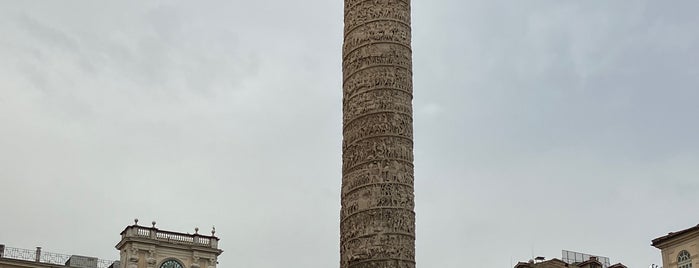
(377, 219)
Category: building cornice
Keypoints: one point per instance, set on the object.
(675, 237)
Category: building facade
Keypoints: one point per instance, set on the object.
(11, 257)
(149, 247)
(570, 259)
(679, 249)
(593, 262)
(139, 247)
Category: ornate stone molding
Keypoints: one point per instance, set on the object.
(377, 219)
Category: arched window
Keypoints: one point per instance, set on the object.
(684, 260)
(171, 264)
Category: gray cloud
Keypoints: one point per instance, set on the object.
(539, 126)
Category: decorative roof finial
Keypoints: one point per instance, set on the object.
(196, 230)
(153, 224)
(135, 221)
(213, 230)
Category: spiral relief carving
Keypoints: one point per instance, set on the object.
(377, 219)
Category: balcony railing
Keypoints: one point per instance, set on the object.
(172, 237)
(50, 258)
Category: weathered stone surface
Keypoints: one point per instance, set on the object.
(377, 219)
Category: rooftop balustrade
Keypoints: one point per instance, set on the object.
(196, 239)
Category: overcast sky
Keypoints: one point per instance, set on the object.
(539, 126)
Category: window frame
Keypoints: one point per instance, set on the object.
(684, 259)
(178, 262)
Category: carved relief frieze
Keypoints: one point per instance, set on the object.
(377, 125)
(377, 32)
(365, 151)
(349, 4)
(384, 78)
(377, 219)
(381, 77)
(389, 171)
(378, 55)
(379, 195)
(378, 102)
(381, 263)
(362, 12)
(381, 246)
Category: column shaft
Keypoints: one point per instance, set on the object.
(377, 218)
